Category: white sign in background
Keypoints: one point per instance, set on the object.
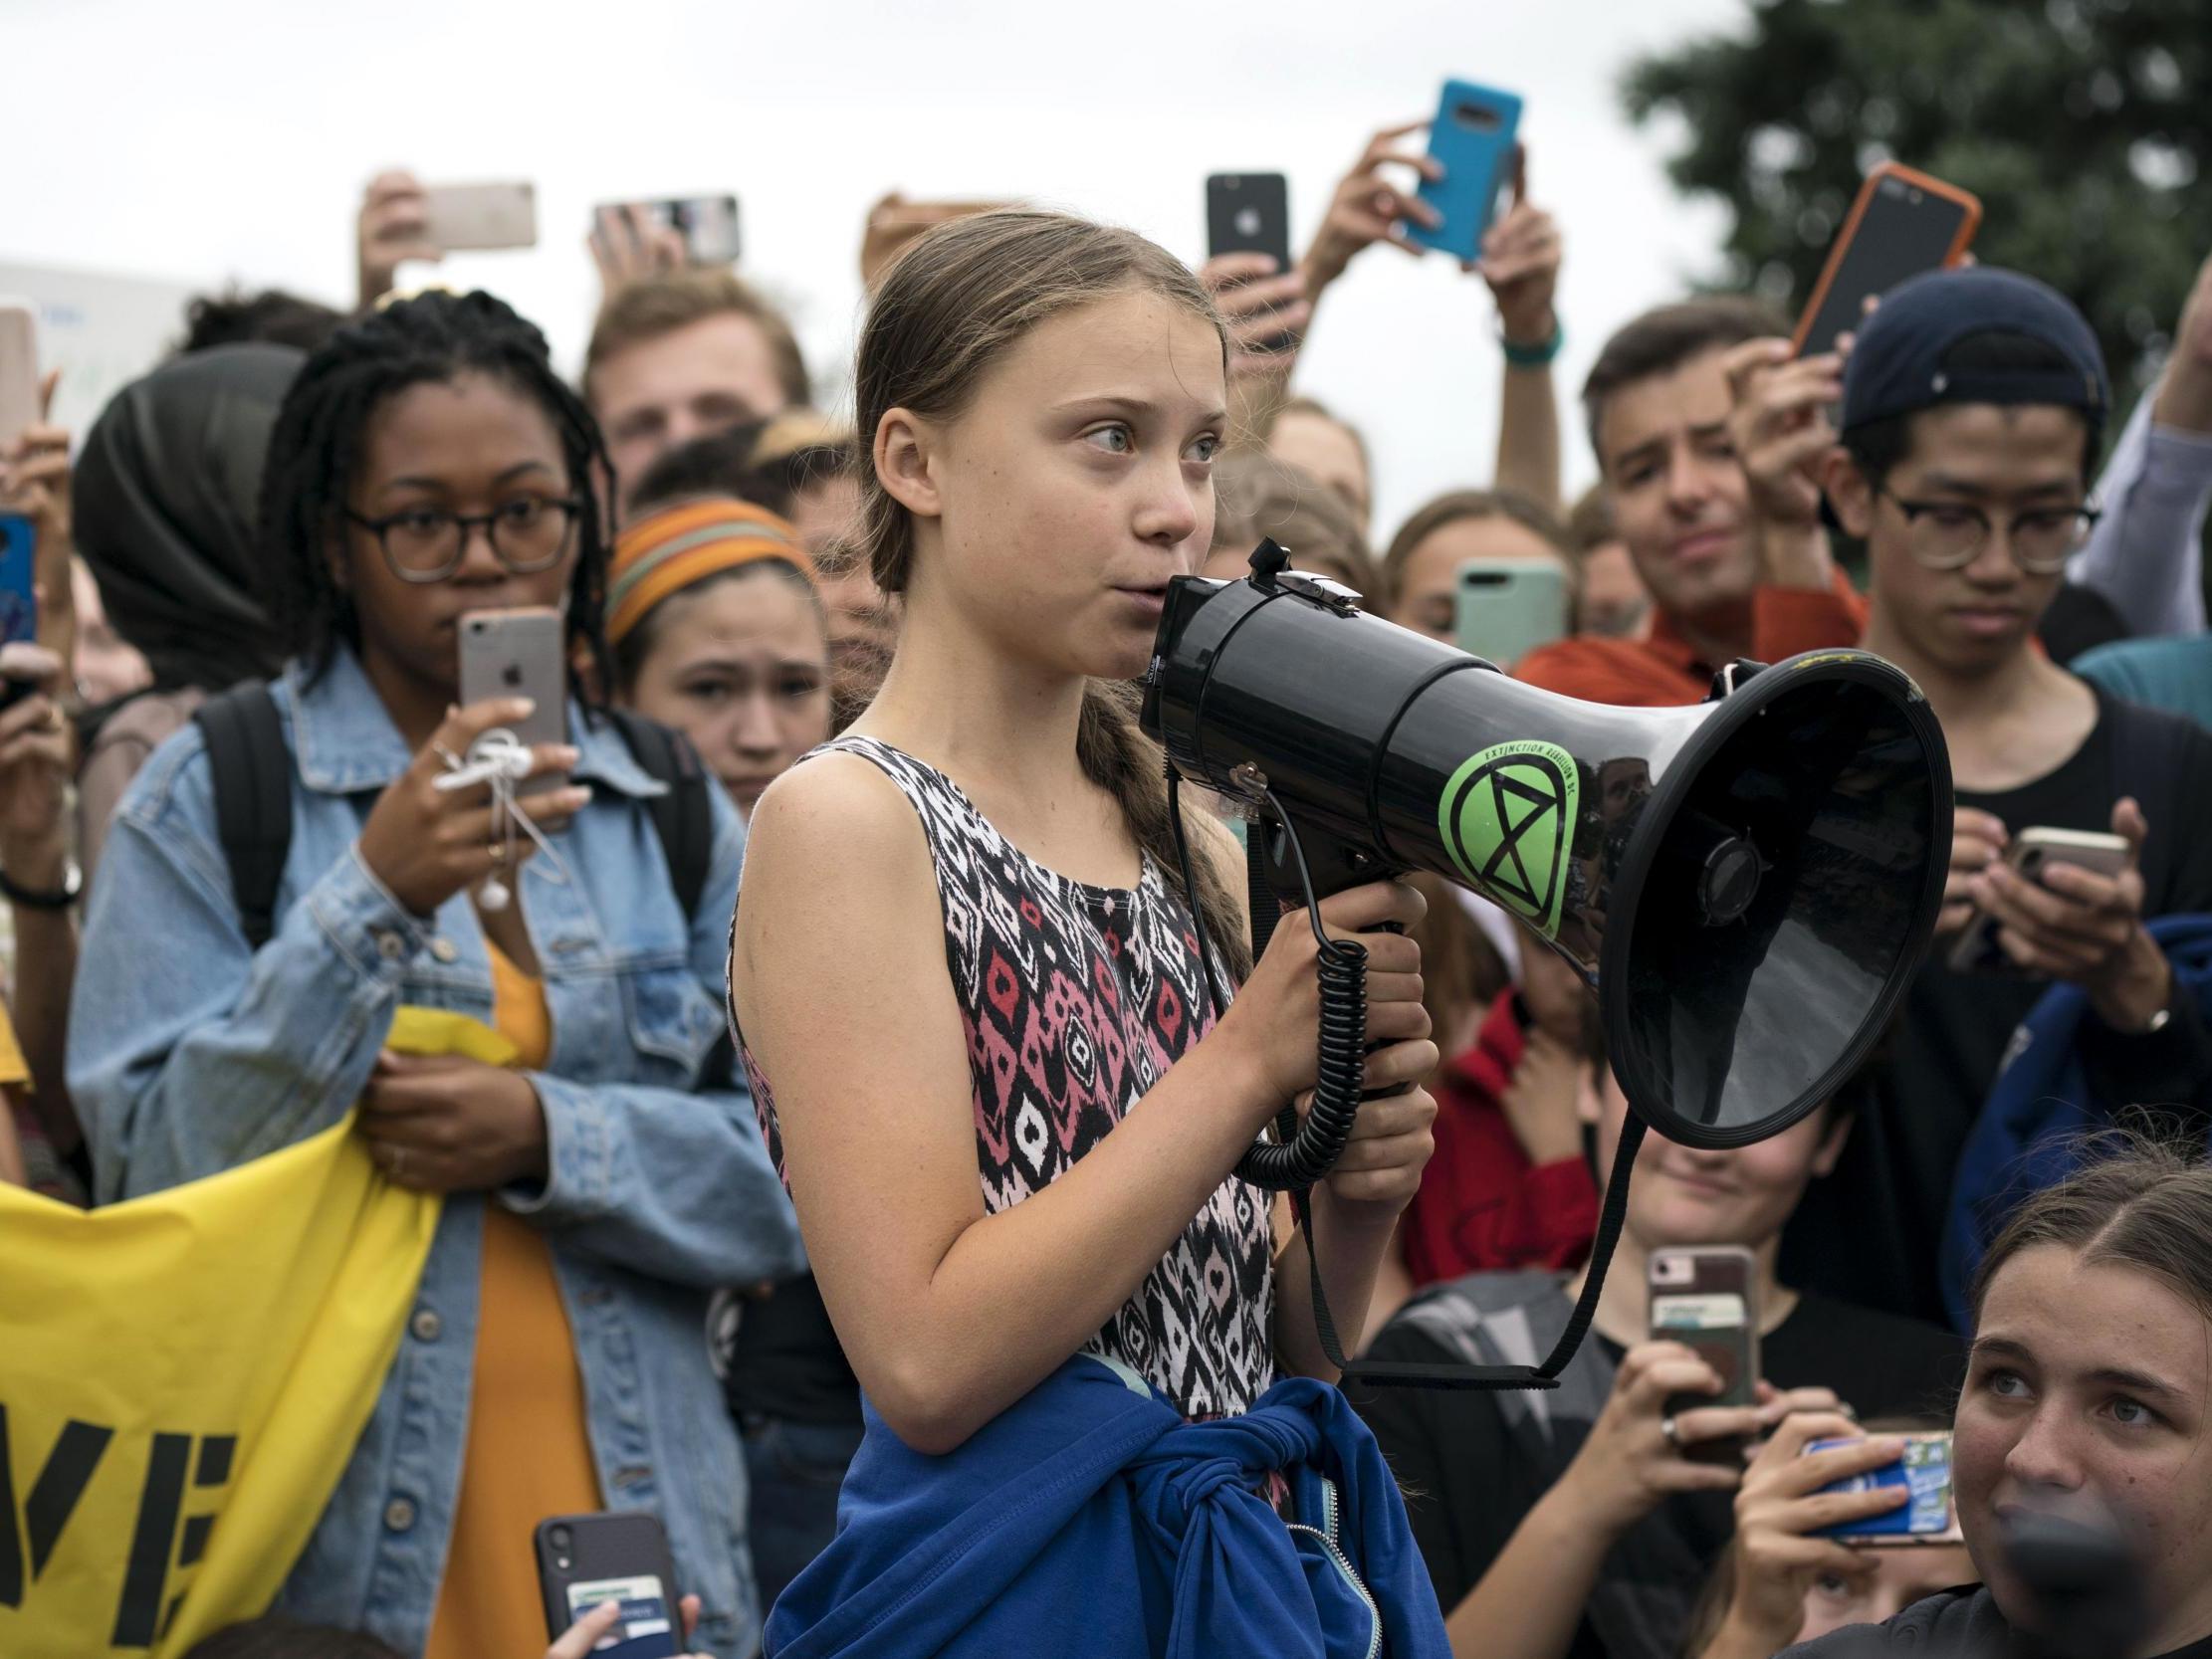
(102, 331)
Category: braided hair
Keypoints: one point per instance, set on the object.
(434, 337)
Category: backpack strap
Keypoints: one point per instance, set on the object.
(684, 817)
(253, 798)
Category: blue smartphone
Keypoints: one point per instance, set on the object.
(1474, 136)
(1924, 1471)
(19, 606)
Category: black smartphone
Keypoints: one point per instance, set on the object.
(1902, 223)
(1249, 213)
(585, 1560)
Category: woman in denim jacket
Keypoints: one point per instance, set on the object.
(428, 463)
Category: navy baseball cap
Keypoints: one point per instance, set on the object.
(1898, 365)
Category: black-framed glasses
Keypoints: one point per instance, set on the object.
(427, 544)
(1949, 536)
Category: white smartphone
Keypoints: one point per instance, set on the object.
(1977, 949)
(521, 652)
(482, 215)
(19, 367)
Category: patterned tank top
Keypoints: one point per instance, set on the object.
(1075, 1000)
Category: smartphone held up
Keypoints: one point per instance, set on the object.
(463, 217)
(1704, 1297)
(1249, 213)
(1504, 609)
(1473, 140)
(1923, 1470)
(1904, 223)
(705, 227)
(19, 368)
(19, 610)
(520, 653)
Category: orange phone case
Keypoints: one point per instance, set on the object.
(1967, 226)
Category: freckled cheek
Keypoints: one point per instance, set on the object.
(1059, 546)
(1978, 1452)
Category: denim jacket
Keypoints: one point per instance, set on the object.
(190, 1053)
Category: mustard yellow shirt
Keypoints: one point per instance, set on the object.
(529, 1449)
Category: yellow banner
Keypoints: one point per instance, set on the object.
(183, 1379)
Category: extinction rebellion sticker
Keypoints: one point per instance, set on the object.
(1507, 818)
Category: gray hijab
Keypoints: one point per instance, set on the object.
(165, 497)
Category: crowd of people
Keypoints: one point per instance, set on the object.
(774, 1228)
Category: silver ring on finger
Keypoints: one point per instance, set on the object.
(396, 1165)
(1673, 1430)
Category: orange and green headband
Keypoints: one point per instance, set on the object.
(673, 548)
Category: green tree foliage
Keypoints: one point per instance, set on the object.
(2083, 126)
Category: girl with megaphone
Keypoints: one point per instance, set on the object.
(984, 1053)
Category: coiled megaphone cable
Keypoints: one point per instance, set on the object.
(1302, 1153)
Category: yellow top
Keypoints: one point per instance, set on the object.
(529, 1450)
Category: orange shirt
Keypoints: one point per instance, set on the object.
(529, 1448)
(1662, 671)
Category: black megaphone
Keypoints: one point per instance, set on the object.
(1747, 884)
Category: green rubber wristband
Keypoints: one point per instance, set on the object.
(1534, 356)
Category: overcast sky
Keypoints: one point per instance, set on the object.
(219, 140)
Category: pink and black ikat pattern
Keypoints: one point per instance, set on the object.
(1076, 1000)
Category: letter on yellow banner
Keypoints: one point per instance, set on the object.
(183, 1379)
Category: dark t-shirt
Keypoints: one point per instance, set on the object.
(1872, 1232)
(1963, 1622)
(1468, 1483)
(783, 1360)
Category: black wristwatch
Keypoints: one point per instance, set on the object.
(52, 899)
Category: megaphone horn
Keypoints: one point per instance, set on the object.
(1747, 884)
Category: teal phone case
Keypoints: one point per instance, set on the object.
(1507, 607)
(1474, 136)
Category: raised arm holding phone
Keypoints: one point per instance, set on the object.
(1519, 254)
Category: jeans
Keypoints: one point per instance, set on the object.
(795, 1470)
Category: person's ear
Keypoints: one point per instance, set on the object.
(1833, 1133)
(336, 561)
(1851, 493)
(904, 453)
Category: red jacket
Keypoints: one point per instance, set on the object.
(1662, 669)
(1483, 1206)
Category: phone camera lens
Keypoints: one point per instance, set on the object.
(561, 1540)
(1915, 198)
